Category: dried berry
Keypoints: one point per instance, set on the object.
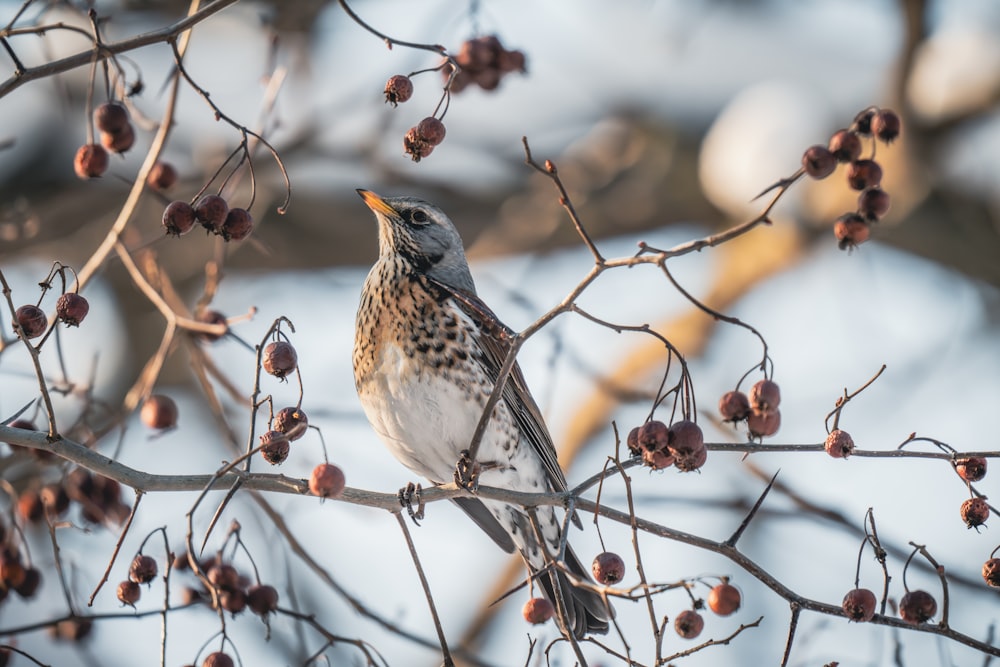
(689, 624)
(431, 130)
(632, 441)
(162, 176)
(864, 174)
(233, 600)
(917, 607)
(71, 308)
(211, 317)
(211, 212)
(129, 592)
(29, 505)
(971, 468)
(654, 436)
(991, 571)
(224, 576)
(274, 447)
(845, 146)
(159, 412)
(851, 231)
(608, 568)
(218, 659)
(111, 117)
(32, 321)
(873, 204)
(29, 586)
(537, 610)
(975, 511)
(687, 445)
(326, 481)
(724, 599)
(178, 218)
(143, 569)
(859, 605)
(280, 358)
(863, 122)
(657, 459)
(238, 225)
(886, 125)
(415, 146)
(91, 161)
(763, 424)
(818, 162)
(398, 89)
(292, 422)
(119, 142)
(692, 461)
(262, 599)
(734, 406)
(839, 444)
(765, 396)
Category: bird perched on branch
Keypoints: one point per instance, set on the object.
(427, 354)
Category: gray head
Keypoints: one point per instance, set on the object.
(422, 235)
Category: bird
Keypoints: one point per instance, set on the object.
(427, 354)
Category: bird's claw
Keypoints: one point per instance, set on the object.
(406, 496)
(467, 472)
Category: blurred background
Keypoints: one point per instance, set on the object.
(665, 118)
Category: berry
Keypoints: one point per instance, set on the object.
(143, 569)
(274, 447)
(218, 659)
(162, 176)
(873, 204)
(537, 610)
(975, 511)
(991, 571)
(689, 624)
(917, 607)
(30, 507)
(111, 117)
(863, 122)
(851, 231)
(159, 412)
(818, 162)
(55, 499)
(119, 142)
(693, 461)
(859, 605)
(654, 436)
(886, 125)
(511, 61)
(129, 592)
(91, 161)
(32, 321)
(238, 225)
(765, 396)
(211, 212)
(178, 218)
(971, 468)
(864, 174)
(71, 308)
(292, 422)
(12, 572)
(211, 317)
(233, 600)
(28, 587)
(839, 444)
(262, 599)
(223, 576)
(724, 599)
(657, 459)
(326, 481)
(280, 358)
(608, 568)
(415, 146)
(431, 130)
(763, 424)
(398, 89)
(845, 146)
(685, 438)
(633, 441)
(73, 629)
(734, 406)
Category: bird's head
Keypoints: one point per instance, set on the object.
(422, 235)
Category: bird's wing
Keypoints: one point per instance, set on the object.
(478, 512)
(495, 339)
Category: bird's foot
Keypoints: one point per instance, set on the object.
(467, 472)
(406, 496)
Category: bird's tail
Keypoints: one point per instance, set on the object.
(586, 612)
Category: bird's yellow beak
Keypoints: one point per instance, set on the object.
(376, 203)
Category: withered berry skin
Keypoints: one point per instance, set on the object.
(975, 511)
(279, 358)
(32, 320)
(537, 611)
(818, 162)
(971, 468)
(991, 572)
(851, 231)
(398, 89)
(859, 605)
(91, 161)
(657, 459)
(415, 145)
(292, 422)
(689, 624)
(863, 174)
(839, 444)
(734, 406)
(724, 599)
(845, 146)
(327, 481)
(274, 447)
(917, 607)
(71, 308)
(211, 212)
(873, 204)
(178, 218)
(431, 130)
(654, 435)
(143, 569)
(608, 568)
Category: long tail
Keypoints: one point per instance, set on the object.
(585, 610)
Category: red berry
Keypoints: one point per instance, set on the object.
(818, 162)
(262, 599)
(398, 89)
(233, 600)
(608, 568)
(845, 146)
(975, 511)
(32, 321)
(159, 412)
(292, 422)
(692, 461)
(863, 122)
(839, 444)
(873, 204)
(537, 610)
(864, 174)
(211, 212)
(274, 447)
(991, 571)
(971, 468)
(886, 125)
(859, 605)
(917, 607)
(415, 145)
(218, 659)
(162, 176)
(764, 424)
(687, 445)
(223, 576)
(654, 436)
(280, 358)
(734, 406)
(724, 599)
(238, 225)
(689, 624)
(119, 142)
(511, 61)
(143, 569)
(111, 117)
(178, 218)
(71, 308)
(327, 481)
(851, 231)
(129, 592)
(30, 507)
(91, 161)
(765, 396)
(657, 459)
(431, 130)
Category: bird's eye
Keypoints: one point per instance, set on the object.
(419, 216)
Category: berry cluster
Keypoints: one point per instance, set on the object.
(681, 445)
(759, 408)
(235, 591)
(99, 499)
(142, 570)
(213, 213)
(16, 574)
(420, 140)
(116, 134)
(484, 62)
(31, 322)
(863, 173)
